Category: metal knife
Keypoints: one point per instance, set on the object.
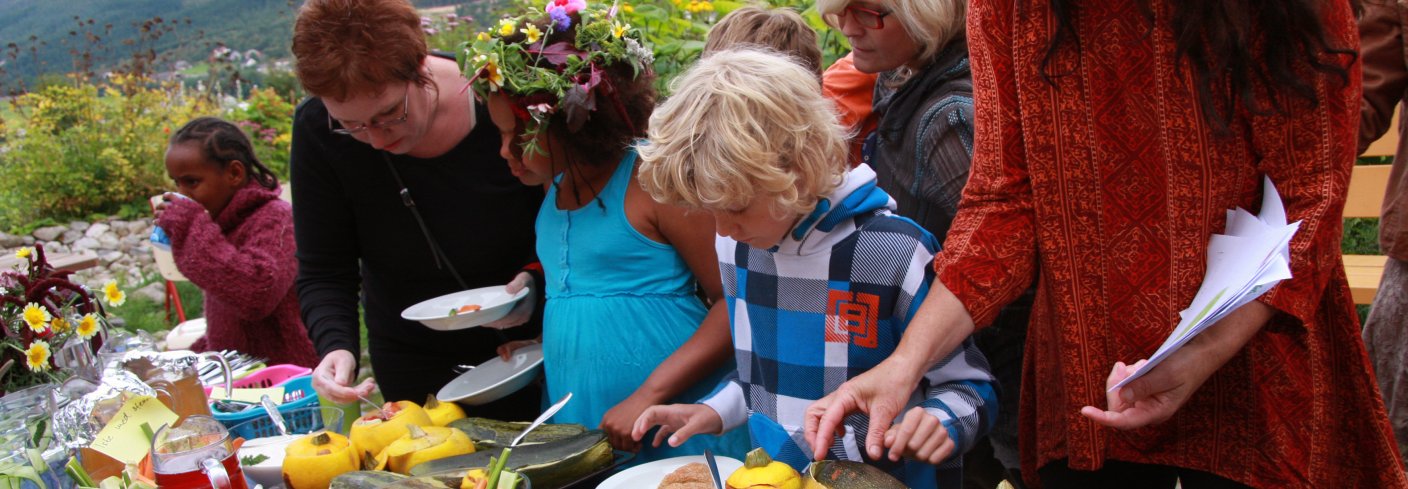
(713, 468)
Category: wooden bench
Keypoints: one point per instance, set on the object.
(1366, 199)
(61, 261)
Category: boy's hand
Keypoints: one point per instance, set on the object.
(683, 420)
(921, 436)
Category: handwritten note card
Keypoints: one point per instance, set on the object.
(249, 395)
(123, 438)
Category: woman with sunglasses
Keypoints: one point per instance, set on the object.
(399, 196)
(921, 150)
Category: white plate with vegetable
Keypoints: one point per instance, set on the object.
(464, 309)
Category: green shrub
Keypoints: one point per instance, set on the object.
(79, 148)
(267, 117)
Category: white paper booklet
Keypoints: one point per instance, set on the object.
(1249, 260)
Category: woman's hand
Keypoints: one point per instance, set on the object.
(506, 350)
(879, 392)
(523, 311)
(335, 374)
(620, 420)
(678, 421)
(921, 436)
(1159, 393)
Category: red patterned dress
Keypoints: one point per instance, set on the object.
(1107, 187)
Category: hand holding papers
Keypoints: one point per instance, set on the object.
(1251, 258)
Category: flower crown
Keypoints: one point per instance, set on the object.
(514, 59)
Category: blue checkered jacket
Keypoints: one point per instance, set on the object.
(826, 304)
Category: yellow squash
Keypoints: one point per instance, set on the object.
(759, 471)
(312, 461)
(425, 444)
(442, 413)
(371, 434)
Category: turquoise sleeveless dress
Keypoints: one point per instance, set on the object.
(618, 303)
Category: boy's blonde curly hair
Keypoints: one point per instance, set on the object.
(742, 124)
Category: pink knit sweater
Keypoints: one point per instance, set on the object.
(244, 261)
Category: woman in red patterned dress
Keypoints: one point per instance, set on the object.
(1111, 139)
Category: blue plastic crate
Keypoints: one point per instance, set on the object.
(299, 384)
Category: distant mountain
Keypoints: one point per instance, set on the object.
(47, 36)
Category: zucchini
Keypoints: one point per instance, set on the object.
(549, 465)
(841, 474)
(488, 433)
(365, 479)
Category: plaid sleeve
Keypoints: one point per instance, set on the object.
(959, 391)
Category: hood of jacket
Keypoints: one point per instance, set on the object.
(833, 218)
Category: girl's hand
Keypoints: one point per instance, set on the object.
(506, 349)
(620, 420)
(921, 436)
(523, 311)
(683, 420)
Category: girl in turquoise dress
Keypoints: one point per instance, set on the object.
(624, 326)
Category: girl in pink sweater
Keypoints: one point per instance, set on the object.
(233, 237)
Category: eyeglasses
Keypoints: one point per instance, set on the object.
(361, 128)
(867, 18)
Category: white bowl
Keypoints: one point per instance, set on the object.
(269, 472)
(494, 379)
(494, 303)
(185, 334)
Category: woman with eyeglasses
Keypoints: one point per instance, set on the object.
(1112, 139)
(921, 149)
(399, 195)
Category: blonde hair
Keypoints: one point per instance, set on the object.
(781, 28)
(744, 124)
(931, 24)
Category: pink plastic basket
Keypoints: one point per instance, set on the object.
(267, 377)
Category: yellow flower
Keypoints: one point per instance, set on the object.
(706, 6)
(60, 325)
(619, 30)
(532, 32)
(24, 253)
(36, 317)
(484, 36)
(87, 326)
(492, 75)
(627, 8)
(506, 27)
(114, 295)
(37, 356)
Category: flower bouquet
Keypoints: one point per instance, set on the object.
(42, 311)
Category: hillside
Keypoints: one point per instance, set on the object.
(47, 36)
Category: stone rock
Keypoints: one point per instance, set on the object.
(49, 233)
(139, 227)
(10, 241)
(56, 248)
(120, 227)
(70, 236)
(97, 230)
(79, 225)
(28, 240)
(110, 256)
(108, 242)
(156, 291)
(85, 243)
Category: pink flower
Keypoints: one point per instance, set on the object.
(568, 6)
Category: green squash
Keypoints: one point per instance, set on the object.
(365, 479)
(548, 465)
(841, 474)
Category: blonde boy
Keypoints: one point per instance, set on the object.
(820, 277)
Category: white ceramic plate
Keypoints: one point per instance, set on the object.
(494, 379)
(493, 303)
(649, 475)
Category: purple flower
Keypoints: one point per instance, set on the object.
(560, 18)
